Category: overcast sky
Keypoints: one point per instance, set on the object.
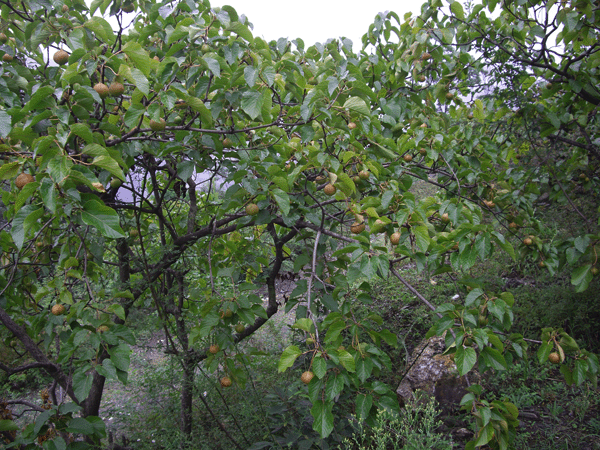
(315, 20)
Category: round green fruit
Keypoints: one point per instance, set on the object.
(357, 227)
(363, 174)
(61, 57)
(58, 310)
(239, 328)
(214, 349)
(101, 89)
(116, 89)
(554, 358)
(3, 38)
(307, 377)
(7, 57)
(395, 238)
(329, 189)
(252, 209)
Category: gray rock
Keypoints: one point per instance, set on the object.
(433, 372)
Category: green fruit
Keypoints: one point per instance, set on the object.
(7, 58)
(61, 57)
(363, 174)
(329, 189)
(3, 38)
(307, 377)
(58, 310)
(101, 89)
(214, 349)
(239, 328)
(116, 89)
(395, 238)
(357, 227)
(310, 341)
(554, 358)
(252, 209)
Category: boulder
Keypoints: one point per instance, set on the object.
(433, 372)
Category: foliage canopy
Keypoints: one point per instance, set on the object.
(177, 162)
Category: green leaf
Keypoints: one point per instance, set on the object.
(252, 102)
(140, 58)
(581, 277)
(241, 30)
(214, 66)
(282, 199)
(119, 355)
(103, 218)
(24, 220)
(457, 10)
(358, 105)
(485, 435)
(422, 236)
(109, 164)
(82, 383)
(472, 296)
(304, 324)
(288, 357)
(8, 425)
(83, 131)
(364, 402)
(79, 425)
(323, 417)
(5, 124)
(465, 359)
(101, 28)
(347, 360)
(319, 367)
(493, 358)
(364, 367)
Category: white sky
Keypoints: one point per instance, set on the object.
(315, 20)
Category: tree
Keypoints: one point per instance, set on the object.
(172, 159)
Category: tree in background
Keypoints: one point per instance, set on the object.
(169, 161)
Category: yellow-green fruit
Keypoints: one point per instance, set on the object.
(239, 328)
(158, 125)
(422, 78)
(177, 120)
(227, 143)
(595, 270)
(423, 151)
(527, 241)
(102, 328)
(352, 125)
(554, 358)
(225, 382)
(116, 89)
(408, 157)
(252, 209)
(513, 225)
(205, 48)
(445, 218)
(449, 95)
(65, 9)
(363, 174)
(425, 56)
(395, 238)
(214, 349)
(23, 180)
(357, 227)
(134, 232)
(115, 183)
(228, 313)
(61, 57)
(329, 189)
(58, 310)
(3, 38)
(101, 89)
(7, 58)
(307, 377)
